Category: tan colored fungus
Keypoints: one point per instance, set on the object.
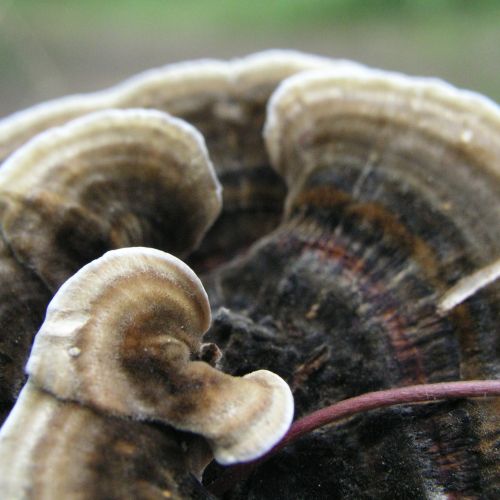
(111, 179)
(226, 101)
(440, 141)
(114, 178)
(123, 336)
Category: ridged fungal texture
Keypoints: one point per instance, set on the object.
(122, 337)
(111, 179)
(226, 101)
(397, 149)
(367, 243)
(393, 198)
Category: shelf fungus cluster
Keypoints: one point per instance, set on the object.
(226, 102)
(354, 246)
(122, 340)
(115, 178)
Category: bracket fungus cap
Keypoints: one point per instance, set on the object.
(123, 336)
(428, 104)
(439, 141)
(118, 177)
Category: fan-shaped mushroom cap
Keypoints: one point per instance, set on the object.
(120, 335)
(110, 179)
(226, 101)
(440, 141)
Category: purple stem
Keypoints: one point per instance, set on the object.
(359, 404)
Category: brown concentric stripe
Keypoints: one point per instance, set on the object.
(69, 451)
(446, 451)
(369, 270)
(383, 258)
(130, 313)
(440, 172)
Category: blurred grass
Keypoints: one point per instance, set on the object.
(273, 14)
(54, 47)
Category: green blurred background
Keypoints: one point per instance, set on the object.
(53, 47)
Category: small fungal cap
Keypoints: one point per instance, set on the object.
(96, 321)
(124, 336)
(110, 179)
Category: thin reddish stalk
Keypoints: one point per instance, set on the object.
(359, 404)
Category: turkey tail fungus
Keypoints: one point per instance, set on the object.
(393, 197)
(111, 179)
(366, 261)
(119, 348)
